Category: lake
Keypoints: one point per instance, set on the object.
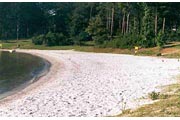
(18, 70)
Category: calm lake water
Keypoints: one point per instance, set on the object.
(19, 69)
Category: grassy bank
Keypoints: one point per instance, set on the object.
(87, 47)
(164, 107)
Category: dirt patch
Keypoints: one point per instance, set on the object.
(169, 50)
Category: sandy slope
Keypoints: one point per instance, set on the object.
(90, 84)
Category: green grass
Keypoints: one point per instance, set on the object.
(176, 46)
(27, 44)
(11, 44)
(87, 47)
(148, 52)
(164, 108)
(167, 106)
(174, 55)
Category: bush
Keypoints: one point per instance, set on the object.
(99, 39)
(111, 44)
(83, 36)
(51, 39)
(38, 40)
(97, 30)
(158, 54)
(124, 41)
(154, 95)
(173, 36)
(77, 40)
(61, 39)
(160, 39)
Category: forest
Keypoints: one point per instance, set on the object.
(114, 25)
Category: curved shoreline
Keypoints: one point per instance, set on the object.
(36, 76)
(39, 81)
(87, 84)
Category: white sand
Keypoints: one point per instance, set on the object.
(90, 84)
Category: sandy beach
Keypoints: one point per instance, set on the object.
(90, 84)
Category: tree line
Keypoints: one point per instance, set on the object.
(119, 25)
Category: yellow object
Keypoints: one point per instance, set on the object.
(136, 48)
(0, 45)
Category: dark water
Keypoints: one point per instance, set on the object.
(18, 69)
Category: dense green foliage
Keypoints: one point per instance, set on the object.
(117, 25)
(50, 39)
(97, 30)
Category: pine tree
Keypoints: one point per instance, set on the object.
(97, 30)
(148, 29)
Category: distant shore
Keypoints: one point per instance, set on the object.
(90, 84)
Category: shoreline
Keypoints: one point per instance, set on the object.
(40, 80)
(44, 70)
(77, 74)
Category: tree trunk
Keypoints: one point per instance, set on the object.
(109, 28)
(27, 31)
(139, 26)
(123, 24)
(17, 31)
(107, 22)
(155, 27)
(127, 26)
(119, 23)
(112, 22)
(91, 11)
(164, 20)
(134, 26)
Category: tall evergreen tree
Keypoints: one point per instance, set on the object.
(97, 30)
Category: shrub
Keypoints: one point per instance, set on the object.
(53, 39)
(61, 39)
(97, 30)
(77, 40)
(173, 36)
(38, 40)
(160, 39)
(99, 39)
(154, 95)
(83, 36)
(158, 54)
(50, 39)
(112, 44)
(124, 41)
